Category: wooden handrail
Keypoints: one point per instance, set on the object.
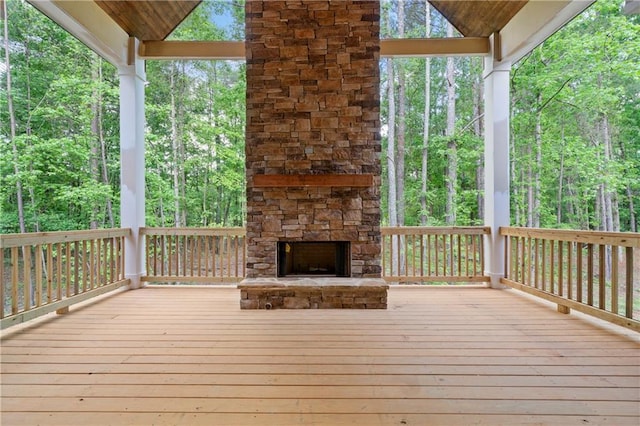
(435, 230)
(589, 271)
(620, 239)
(235, 231)
(34, 238)
(49, 271)
(433, 254)
(196, 255)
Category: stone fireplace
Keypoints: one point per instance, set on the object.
(314, 259)
(313, 134)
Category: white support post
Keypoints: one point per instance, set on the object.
(132, 165)
(496, 163)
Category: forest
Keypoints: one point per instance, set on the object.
(575, 137)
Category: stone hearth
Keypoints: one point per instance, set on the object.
(308, 293)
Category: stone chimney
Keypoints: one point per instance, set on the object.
(313, 129)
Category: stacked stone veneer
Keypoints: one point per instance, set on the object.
(314, 294)
(313, 108)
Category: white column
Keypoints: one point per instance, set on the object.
(132, 166)
(496, 164)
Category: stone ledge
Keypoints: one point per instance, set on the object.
(313, 293)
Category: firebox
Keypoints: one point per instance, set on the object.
(314, 258)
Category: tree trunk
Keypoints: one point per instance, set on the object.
(103, 148)
(391, 140)
(12, 120)
(633, 225)
(560, 185)
(94, 141)
(181, 149)
(478, 127)
(174, 149)
(402, 112)
(452, 149)
(30, 188)
(425, 134)
(538, 166)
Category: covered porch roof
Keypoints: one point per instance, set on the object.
(106, 26)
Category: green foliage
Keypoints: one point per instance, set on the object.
(582, 83)
(579, 89)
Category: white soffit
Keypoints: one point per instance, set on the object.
(534, 23)
(86, 21)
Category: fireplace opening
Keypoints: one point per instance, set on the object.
(314, 258)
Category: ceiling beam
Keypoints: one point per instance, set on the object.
(534, 23)
(461, 46)
(209, 50)
(86, 21)
(235, 50)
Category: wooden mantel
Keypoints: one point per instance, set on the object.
(324, 180)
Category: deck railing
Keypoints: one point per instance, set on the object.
(433, 254)
(196, 255)
(592, 272)
(49, 271)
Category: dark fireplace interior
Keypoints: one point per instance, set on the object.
(311, 258)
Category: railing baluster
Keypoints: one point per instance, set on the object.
(552, 264)
(98, 261)
(560, 268)
(148, 248)
(3, 295)
(614, 279)
(590, 274)
(543, 283)
(76, 267)
(579, 273)
(84, 266)
(38, 278)
(26, 277)
(14, 280)
(235, 263)
(574, 263)
(422, 255)
(228, 256)
(570, 270)
(59, 271)
(51, 263)
(184, 246)
(214, 255)
(49, 272)
(429, 251)
(602, 267)
(169, 255)
(629, 283)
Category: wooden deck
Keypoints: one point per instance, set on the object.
(449, 356)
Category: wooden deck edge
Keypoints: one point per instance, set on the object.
(563, 303)
(60, 304)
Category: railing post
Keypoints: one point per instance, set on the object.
(132, 166)
(496, 160)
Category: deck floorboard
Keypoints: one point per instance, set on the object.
(437, 356)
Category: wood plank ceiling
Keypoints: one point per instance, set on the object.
(478, 18)
(148, 19)
(156, 19)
